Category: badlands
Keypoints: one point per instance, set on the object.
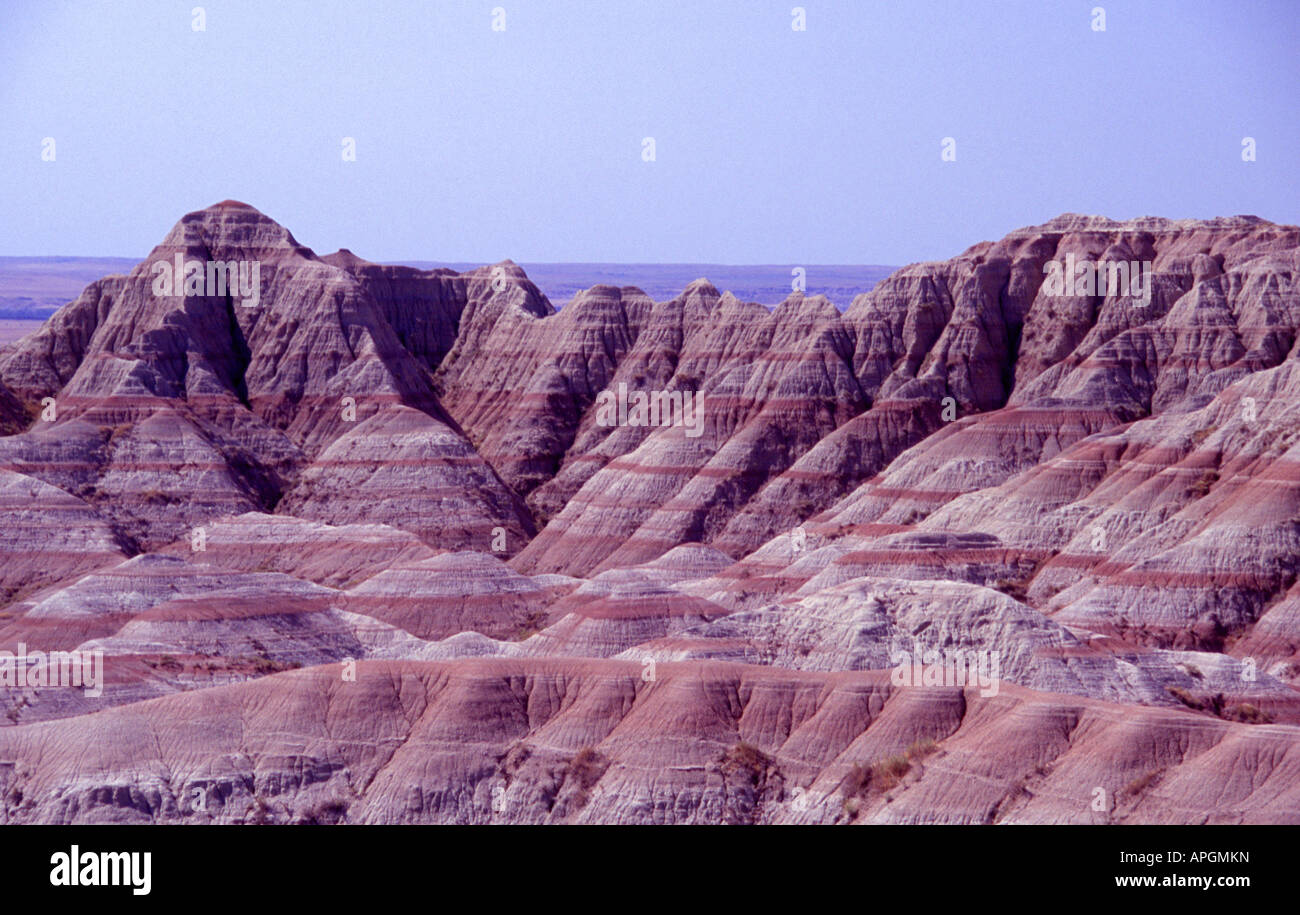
(363, 553)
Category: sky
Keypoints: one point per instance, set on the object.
(771, 145)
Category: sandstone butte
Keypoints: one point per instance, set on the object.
(434, 587)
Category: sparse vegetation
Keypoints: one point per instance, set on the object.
(879, 777)
(1138, 785)
(514, 761)
(1202, 486)
(890, 772)
(1185, 697)
(745, 758)
(263, 666)
(326, 812)
(1249, 714)
(584, 771)
(256, 665)
(1216, 705)
(858, 782)
(922, 748)
(534, 623)
(1013, 587)
(587, 766)
(748, 773)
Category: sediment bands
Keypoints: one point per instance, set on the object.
(369, 550)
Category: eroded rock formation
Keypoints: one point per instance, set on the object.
(366, 549)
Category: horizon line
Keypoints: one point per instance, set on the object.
(487, 263)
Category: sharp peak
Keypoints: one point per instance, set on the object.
(233, 222)
(344, 257)
(701, 285)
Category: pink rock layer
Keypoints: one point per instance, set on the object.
(366, 550)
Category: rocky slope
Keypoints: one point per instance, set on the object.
(367, 543)
(548, 741)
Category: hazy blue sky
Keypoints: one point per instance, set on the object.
(772, 146)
